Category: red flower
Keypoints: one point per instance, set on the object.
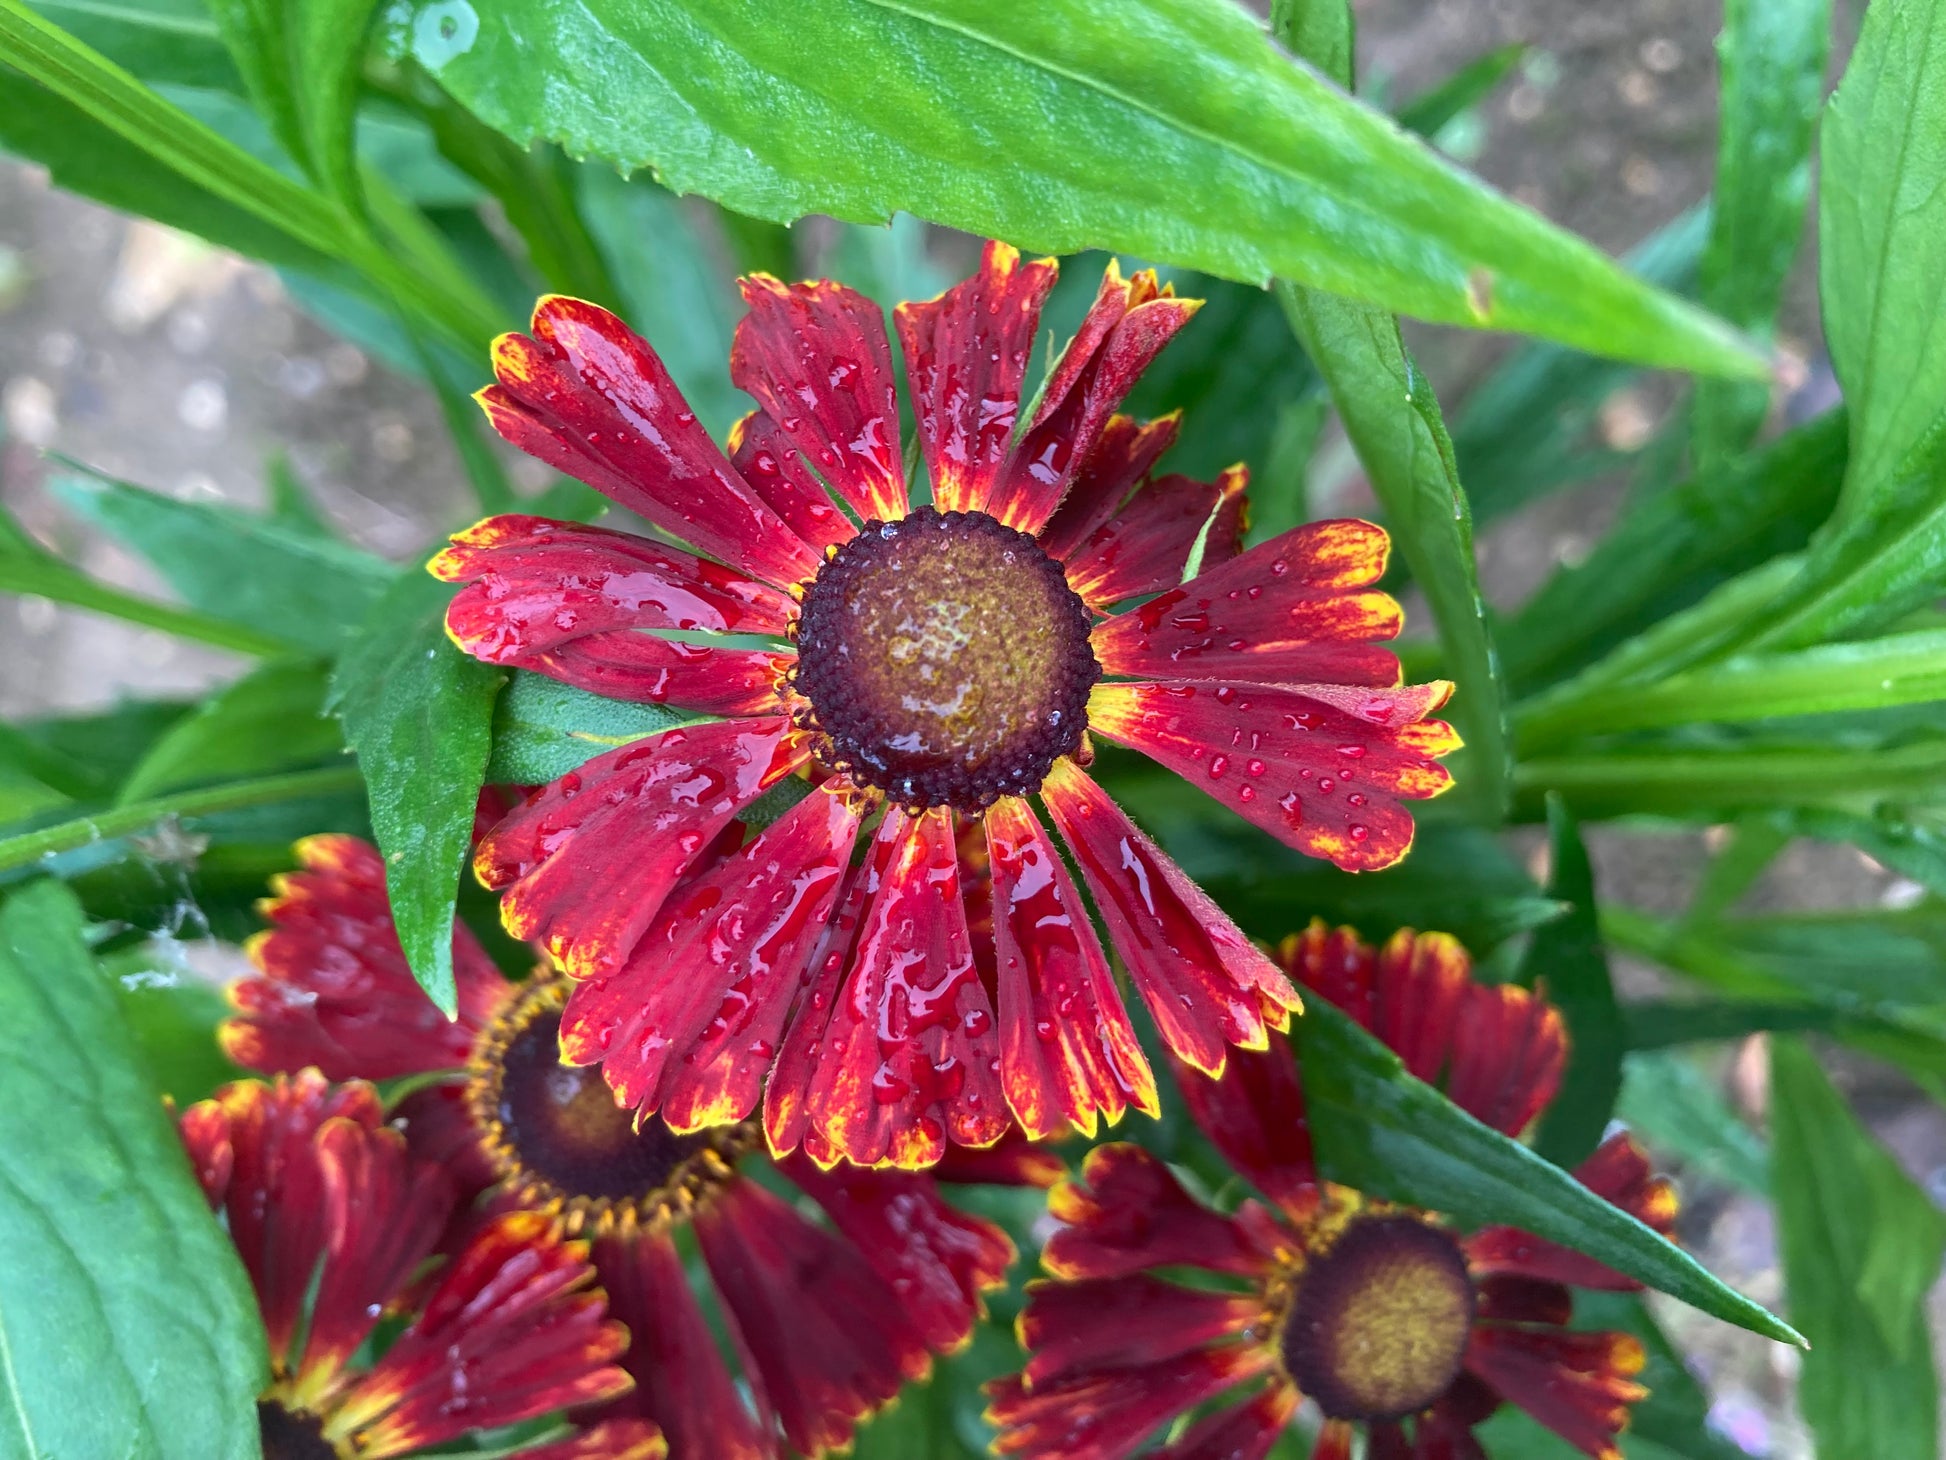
(932, 668)
(1382, 1315)
(830, 1321)
(333, 1217)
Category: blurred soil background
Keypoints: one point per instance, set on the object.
(154, 358)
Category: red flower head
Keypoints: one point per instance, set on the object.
(934, 663)
(1383, 1315)
(829, 1319)
(333, 1217)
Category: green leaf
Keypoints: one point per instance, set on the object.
(47, 576)
(215, 895)
(290, 500)
(127, 1326)
(88, 756)
(1167, 129)
(1674, 546)
(1393, 420)
(1772, 54)
(1429, 112)
(1524, 431)
(1385, 1133)
(419, 715)
(171, 1013)
(1565, 959)
(1900, 669)
(307, 591)
(542, 728)
(1322, 32)
(157, 40)
(301, 60)
(1882, 246)
(1675, 1108)
(28, 847)
(1861, 1246)
(270, 720)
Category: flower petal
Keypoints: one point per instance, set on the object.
(778, 474)
(1145, 547)
(587, 862)
(910, 1060)
(1255, 1116)
(512, 1330)
(533, 583)
(702, 678)
(1320, 768)
(1497, 1050)
(1618, 1172)
(1243, 1431)
(1013, 1160)
(787, 1095)
(1127, 1213)
(1067, 1049)
(690, 1024)
(936, 1258)
(966, 355)
(1128, 448)
(438, 1123)
(333, 989)
(1125, 329)
(587, 395)
(1105, 1415)
(1125, 1322)
(828, 1339)
(1205, 984)
(1580, 1385)
(253, 1146)
(1299, 609)
(816, 358)
(681, 1381)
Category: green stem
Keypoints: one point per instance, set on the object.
(50, 578)
(123, 821)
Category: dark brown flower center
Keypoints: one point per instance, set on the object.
(557, 1134)
(946, 658)
(1378, 1325)
(289, 1436)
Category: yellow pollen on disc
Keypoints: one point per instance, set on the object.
(1378, 1323)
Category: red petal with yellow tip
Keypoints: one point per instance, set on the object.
(1322, 769)
(510, 1331)
(533, 583)
(1124, 455)
(1146, 546)
(1125, 329)
(1067, 1049)
(910, 1059)
(333, 989)
(966, 355)
(1106, 1414)
(829, 1342)
(1299, 609)
(787, 1095)
(385, 1208)
(1618, 1172)
(936, 1258)
(1255, 1116)
(816, 358)
(1245, 1431)
(690, 1024)
(1124, 1322)
(254, 1148)
(587, 862)
(778, 474)
(648, 670)
(1127, 1212)
(1205, 984)
(681, 1381)
(620, 1439)
(1013, 1160)
(587, 395)
(1580, 1385)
